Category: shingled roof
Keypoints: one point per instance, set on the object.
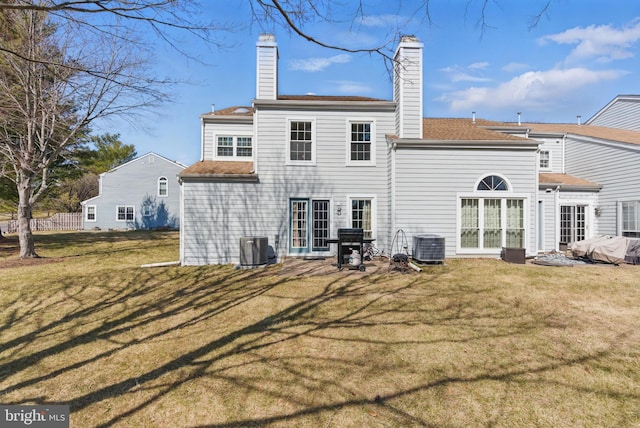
(602, 132)
(457, 129)
(220, 169)
(566, 181)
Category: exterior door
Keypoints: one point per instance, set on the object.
(573, 223)
(309, 225)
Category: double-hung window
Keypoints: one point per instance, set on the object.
(125, 212)
(301, 142)
(545, 159)
(233, 147)
(360, 142)
(630, 221)
(91, 213)
(163, 186)
(362, 215)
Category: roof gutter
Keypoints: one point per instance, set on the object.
(466, 144)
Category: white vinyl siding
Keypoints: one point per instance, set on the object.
(429, 184)
(213, 130)
(262, 208)
(614, 167)
(621, 114)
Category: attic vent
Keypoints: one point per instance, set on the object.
(241, 110)
(428, 248)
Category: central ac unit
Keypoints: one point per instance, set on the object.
(428, 248)
(254, 250)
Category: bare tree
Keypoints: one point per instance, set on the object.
(55, 83)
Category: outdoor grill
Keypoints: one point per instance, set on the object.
(348, 240)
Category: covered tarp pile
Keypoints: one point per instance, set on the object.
(607, 249)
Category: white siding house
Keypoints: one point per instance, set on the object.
(296, 168)
(140, 194)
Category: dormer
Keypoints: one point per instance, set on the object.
(267, 68)
(407, 88)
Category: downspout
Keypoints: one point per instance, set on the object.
(201, 139)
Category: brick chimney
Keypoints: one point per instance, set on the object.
(407, 87)
(267, 68)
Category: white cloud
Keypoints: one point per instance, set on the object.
(598, 41)
(381, 21)
(318, 64)
(350, 87)
(478, 66)
(464, 74)
(531, 89)
(513, 67)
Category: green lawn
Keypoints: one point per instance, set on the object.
(471, 343)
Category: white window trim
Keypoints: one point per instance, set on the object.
(125, 212)
(590, 229)
(619, 219)
(349, 161)
(95, 213)
(503, 195)
(548, 168)
(166, 180)
(287, 141)
(374, 211)
(485, 192)
(234, 147)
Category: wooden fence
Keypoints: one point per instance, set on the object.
(59, 221)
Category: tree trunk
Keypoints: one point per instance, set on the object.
(25, 235)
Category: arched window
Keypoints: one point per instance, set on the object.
(492, 182)
(163, 186)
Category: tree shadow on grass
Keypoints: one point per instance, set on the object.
(341, 310)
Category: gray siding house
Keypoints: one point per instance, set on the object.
(140, 194)
(296, 168)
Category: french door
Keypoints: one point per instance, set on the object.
(573, 223)
(309, 225)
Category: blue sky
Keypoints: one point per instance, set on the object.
(580, 55)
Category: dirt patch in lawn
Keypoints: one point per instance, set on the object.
(18, 262)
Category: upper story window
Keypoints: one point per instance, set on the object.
(301, 142)
(492, 182)
(228, 146)
(163, 186)
(545, 159)
(361, 141)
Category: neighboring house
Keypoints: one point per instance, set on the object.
(140, 194)
(295, 169)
